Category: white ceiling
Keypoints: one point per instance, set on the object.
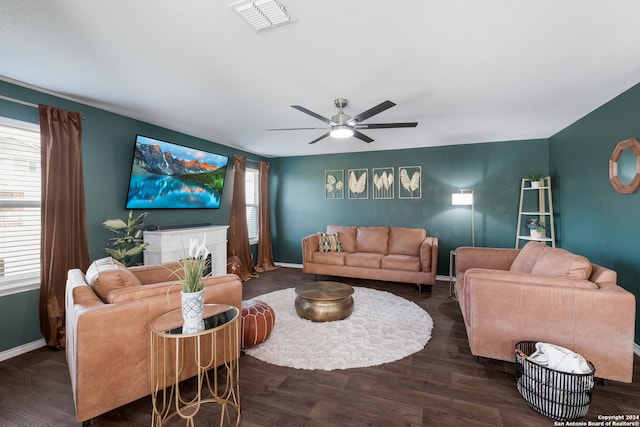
(467, 71)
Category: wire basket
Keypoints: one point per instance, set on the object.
(562, 396)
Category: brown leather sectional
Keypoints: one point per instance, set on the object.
(395, 254)
(540, 293)
(109, 312)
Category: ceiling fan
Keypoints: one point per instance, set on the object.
(343, 125)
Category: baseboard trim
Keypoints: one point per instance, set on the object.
(22, 349)
(287, 264)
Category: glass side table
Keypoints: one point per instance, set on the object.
(452, 277)
(211, 355)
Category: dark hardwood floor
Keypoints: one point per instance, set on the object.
(440, 385)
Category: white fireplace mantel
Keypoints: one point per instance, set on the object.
(172, 245)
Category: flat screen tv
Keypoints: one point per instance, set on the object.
(170, 176)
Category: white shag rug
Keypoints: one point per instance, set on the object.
(382, 328)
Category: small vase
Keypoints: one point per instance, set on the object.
(535, 234)
(192, 310)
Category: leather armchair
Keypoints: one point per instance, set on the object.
(592, 315)
(108, 341)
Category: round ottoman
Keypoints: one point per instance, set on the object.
(258, 319)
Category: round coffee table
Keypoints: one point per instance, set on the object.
(324, 301)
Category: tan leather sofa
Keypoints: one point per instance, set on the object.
(545, 294)
(109, 312)
(395, 254)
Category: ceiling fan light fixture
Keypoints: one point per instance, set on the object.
(341, 131)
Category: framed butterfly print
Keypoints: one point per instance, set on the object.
(410, 182)
(358, 184)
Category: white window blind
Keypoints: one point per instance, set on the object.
(251, 179)
(19, 204)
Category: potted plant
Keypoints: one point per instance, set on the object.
(535, 178)
(536, 228)
(194, 265)
(129, 243)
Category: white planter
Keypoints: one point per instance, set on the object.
(536, 234)
(192, 310)
(535, 184)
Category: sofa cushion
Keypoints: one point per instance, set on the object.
(401, 262)
(329, 242)
(347, 236)
(372, 239)
(527, 257)
(560, 262)
(406, 241)
(363, 259)
(107, 274)
(528, 278)
(132, 293)
(331, 258)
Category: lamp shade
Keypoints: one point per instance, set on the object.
(460, 199)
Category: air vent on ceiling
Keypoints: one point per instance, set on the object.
(263, 14)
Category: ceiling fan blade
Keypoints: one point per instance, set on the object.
(371, 112)
(296, 128)
(386, 125)
(316, 115)
(319, 138)
(361, 136)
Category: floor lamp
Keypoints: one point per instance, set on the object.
(465, 198)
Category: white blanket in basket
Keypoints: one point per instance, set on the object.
(559, 358)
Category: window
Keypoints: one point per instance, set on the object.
(251, 181)
(19, 205)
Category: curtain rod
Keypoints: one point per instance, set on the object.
(19, 101)
(252, 160)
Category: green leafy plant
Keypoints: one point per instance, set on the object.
(534, 176)
(535, 224)
(194, 265)
(129, 243)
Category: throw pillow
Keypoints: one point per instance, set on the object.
(329, 242)
(107, 274)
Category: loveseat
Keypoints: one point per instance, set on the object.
(540, 293)
(395, 254)
(109, 312)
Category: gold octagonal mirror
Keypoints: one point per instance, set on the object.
(624, 166)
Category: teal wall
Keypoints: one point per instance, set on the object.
(493, 170)
(107, 151)
(594, 219)
(19, 321)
